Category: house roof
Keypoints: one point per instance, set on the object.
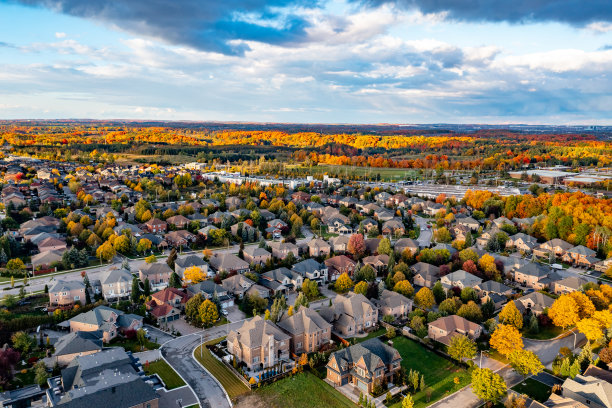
(256, 331)
(373, 351)
(305, 320)
(155, 268)
(78, 342)
(590, 388)
(393, 299)
(66, 286)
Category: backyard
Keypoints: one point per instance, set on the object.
(133, 345)
(232, 384)
(304, 390)
(439, 372)
(167, 373)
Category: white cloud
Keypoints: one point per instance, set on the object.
(600, 27)
(60, 35)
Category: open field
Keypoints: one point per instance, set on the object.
(386, 174)
(167, 374)
(304, 390)
(439, 372)
(232, 384)
(533, 389)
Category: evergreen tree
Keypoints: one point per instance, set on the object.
(135, 295)
(175, 281)
(147, 287)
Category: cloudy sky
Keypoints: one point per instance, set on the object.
(334, 61)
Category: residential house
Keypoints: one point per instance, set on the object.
(157, 273)
(371, 245)
(568, 285)
(230, 263)
(404, 244)
(237, 285)
(156, 226)
(533, 275)
(253, 254)
(338, 265)
(109, 378)
(445, 328)
(425, 274)
(259, 344)
(116, 284)
(461, 232)
(364, 365)
(535, 302)
(522, 242)
(183, 262)
(109, 321)
(173, 297)
(460, 279)
(581, 256)
(282, 280)
(394, 227)
(44, 260)
(280, 250)
(588, 390)
(52, 244)
(351, 314)
(339, 244)
(179, 221)
(491, 286)
(179, 238)
(378, 262)
(556, 247)
(391, 303)
(66, 293)
(76, 344)
(469, 222)
(209, 289)
(311, 269)
(308, 331)
(319, 247)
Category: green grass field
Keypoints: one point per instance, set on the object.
(439, 372)
(386, 174)
(133, 345)
(167, 374)
(304, 390)
(232, 384)
(533, 389)
(370, 335)
(545, 333)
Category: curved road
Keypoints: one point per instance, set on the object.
(178, 353)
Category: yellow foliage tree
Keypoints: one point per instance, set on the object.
(564, 311)
(344, 283)
(425, 298)
(194, 274)
(511, 315)
(591, 328)
(585, 306)
(208, 313)
(404, 287)
(506, 339)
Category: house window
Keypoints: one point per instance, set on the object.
(255, 359)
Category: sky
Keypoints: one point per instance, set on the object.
(308, 61)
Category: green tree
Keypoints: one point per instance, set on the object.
(439, 292)
(41, 375)
(23, 342)
(461, 347)
(135, 295)
(487, 385)
(192, 309)
(146, 287)
(141, 337)
(384, 247)
(175, 281)
(15, 265)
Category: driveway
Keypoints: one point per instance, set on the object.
(157, 335)
(234, 314)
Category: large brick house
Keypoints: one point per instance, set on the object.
(259, 344)
(351, 314)
(364, 365)
(308, 331)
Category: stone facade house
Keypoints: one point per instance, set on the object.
(66, 293)
(444, 329)
(391, 303)
(259, 344)
(351, 314)
(308, 331)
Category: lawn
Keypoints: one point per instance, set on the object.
(232, 384)
(167, 374)
(439, 372)
(304, 390)
(533, 389)
(545, 333)
(133, 345)
(371, 335)
(386, 174)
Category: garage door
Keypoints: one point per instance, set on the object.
(362, 386)
(344, 381)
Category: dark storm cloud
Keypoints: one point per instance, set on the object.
(208, 25)
(574, 12)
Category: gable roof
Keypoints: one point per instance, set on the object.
(373, 352)
(256, 331)
(305, 320)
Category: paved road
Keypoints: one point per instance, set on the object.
(178, 353)
(425, 236)
(547, 350)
